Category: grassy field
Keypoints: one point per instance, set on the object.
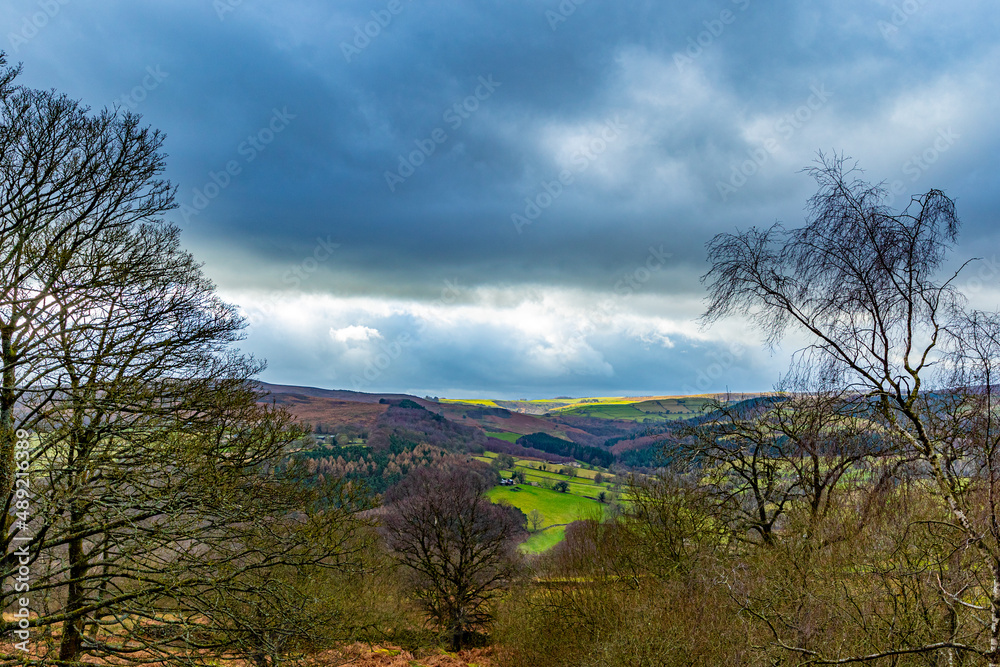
(509, 437)
(651, 410)
(626, 411)
(638, 408)
(581, 484)
(557, 510)
(486, 403)
(543, 540)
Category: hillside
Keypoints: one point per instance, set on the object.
(334, 394)
(499, 419)
(628, 429)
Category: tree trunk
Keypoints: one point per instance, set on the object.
(457, 628)
(7, 394)
(72, 637)
(994, 653)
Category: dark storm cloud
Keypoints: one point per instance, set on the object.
(376, 149)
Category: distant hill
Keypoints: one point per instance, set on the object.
(330, 410)
(620, 426)
(507, 421)
(337, 394)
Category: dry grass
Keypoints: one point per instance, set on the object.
(363, 655)
(355, 655)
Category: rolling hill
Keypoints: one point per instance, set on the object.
(621, 426)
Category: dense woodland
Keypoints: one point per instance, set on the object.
(160, 509)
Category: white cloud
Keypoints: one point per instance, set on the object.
(509, 341)
(354, 333)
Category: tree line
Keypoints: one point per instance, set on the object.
(553, 445)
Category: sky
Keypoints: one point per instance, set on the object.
(511, 198)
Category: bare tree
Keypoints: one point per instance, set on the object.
(459, 547)
(160, 486)
(674, 526)
(65, 176)
(286, 586)
(764, 458)
(738, 453)
(160, 483)
(824, 434)
(868, 286)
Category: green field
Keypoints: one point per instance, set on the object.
(655, 409)
(488, 403)
(509, 437)
(543, 540)
(581, 484)
(558, 509)
(652, 410)
(625, 411)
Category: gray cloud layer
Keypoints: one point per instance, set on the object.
(534, 153)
